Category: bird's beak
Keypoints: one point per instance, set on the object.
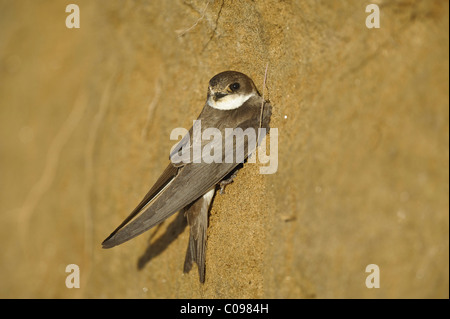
(219, 95)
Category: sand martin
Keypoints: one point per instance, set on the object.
(232, 102)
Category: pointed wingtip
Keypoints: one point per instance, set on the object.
(108, 243)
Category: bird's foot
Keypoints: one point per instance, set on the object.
(225, 182)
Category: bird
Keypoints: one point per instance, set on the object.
(189, 185)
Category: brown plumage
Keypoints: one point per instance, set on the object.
(190, 186)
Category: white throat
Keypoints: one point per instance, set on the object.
(229, 102)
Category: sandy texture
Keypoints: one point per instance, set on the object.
(363, 120)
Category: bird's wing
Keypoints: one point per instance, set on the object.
(191, 182)
(166, 177)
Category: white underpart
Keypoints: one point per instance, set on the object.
(209, 195)
(229, 102)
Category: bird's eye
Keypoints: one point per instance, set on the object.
(235, 86)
